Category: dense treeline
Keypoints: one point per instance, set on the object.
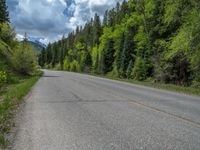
(16, 58)
(139, 39)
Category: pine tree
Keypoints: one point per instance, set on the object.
(161, 39)
(111, 18)
(61, 57)
(97, 30)
(4, 15)
(124, 10)
(139, 70)
(127, 51)
(117, 17)
(42, 58)
(129, 69)
(105, 19)
(119, 56)
(109, 56)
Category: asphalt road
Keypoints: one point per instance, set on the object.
(69, 111)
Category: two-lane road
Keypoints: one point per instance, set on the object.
(69, 111)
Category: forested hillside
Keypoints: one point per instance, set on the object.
(140, 39)
(18, 67)
(15, 57)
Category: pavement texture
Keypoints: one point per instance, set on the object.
(70, 111)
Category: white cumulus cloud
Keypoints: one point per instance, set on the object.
(53, 18)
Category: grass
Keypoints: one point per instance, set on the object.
(9, 101)
(169, 87)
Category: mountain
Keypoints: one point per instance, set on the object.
(37, 44)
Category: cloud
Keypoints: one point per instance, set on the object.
(20, 37)
(53, 18)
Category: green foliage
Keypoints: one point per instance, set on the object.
(15, 56)
(66, 64)
(58, 67)
(5, 53)
(97, 30)
(74, 66)
(95, 58)
(3, 78)
(10, 100)
(139, 70)
(127, 53)
(108, 58)
(24, 59)
(119, 56)
(3, 141)
(158, 39)
(141, 39)
(4, 15)
(79, 46)
(42, 58)
(196, 84)
(129, 70)
(106, 51)
(16, 59)
(7, 34)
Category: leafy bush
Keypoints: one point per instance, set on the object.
(57, 67)
(24, 59)
(74, 66)
(7, 34)
(196, 84)
(3, 78)
(129, 70)
(139, 70)
(66, 65)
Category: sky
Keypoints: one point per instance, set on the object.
(49, 20)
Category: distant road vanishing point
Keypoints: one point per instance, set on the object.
(70, 111)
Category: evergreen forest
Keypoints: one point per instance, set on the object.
(156, 40)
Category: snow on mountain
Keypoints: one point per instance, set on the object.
(41, 42)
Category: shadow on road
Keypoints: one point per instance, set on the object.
(50, 76)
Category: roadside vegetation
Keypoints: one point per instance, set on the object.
(10, 98)
(19, 71)
(139, 40)
(170, 87)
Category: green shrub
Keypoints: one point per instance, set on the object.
(66, 65)
(24, 59)
(129, 70)
(139, 70)
(57, 67)
(196, 84)
(11, 98)
(74, 66)
(7, 34)
(3, 78)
